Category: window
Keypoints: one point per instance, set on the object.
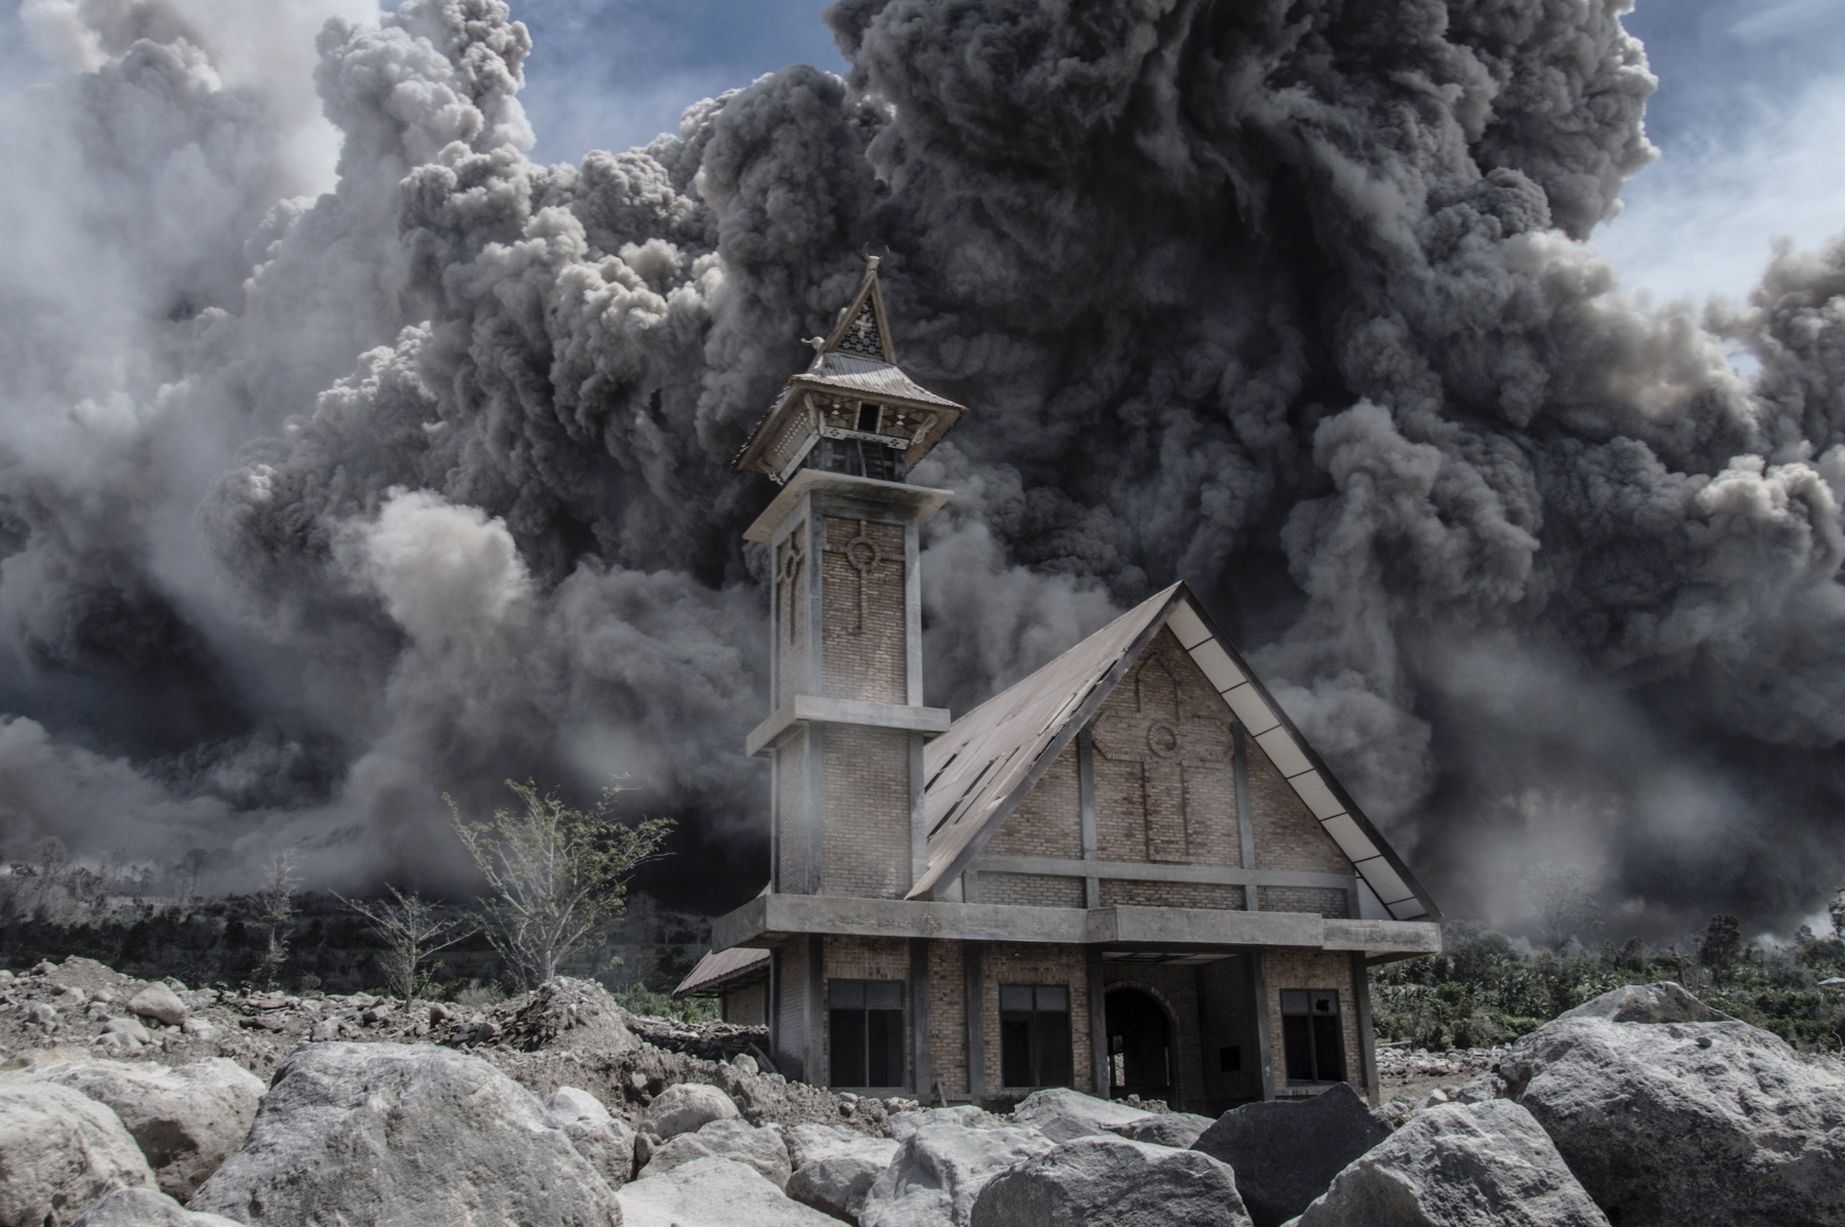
(1311, 1036)
(1034, 1035)
(865, 1024)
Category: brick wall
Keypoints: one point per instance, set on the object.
(791, 1022)
(865, 828)
(1287, 835)
(1128, 892)
(1034, 964)
(1049, 821)
(863, 606)
(747, 1006)
(1291, 968)
(1029, 890)
(790, 812)
(948, 1018)
(1165, 789)
(1321, 899)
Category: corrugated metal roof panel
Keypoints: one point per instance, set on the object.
(984, 757)
(720, 965)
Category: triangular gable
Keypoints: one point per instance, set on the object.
(861, 328)
(980, 773)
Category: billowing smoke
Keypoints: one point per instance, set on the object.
(315, 506)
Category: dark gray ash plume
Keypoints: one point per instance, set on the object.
(325, 487)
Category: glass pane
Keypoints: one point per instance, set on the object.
(1014, 997)
(883, 995)
(846, 1051)
(1326, 1003)
(1295, 1001)
(1297, 1042)
(1054, 997)
(1328, 1048)
(1015, 1050)
(884, 1031)
(1054, 1063)
(845, 994)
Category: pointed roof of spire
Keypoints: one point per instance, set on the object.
(859, 357)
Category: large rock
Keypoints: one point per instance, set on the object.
(1459, 1165)
(1061, 1114)
(605, 1140)
(405, 1134)
(1109, 1181)
(1285, 1152)
(940, 1169)
(1179, 1129)
(712, 1192)
(839, 1178)
(159, 1003)
(967, 1115)
(1687, 1122)
(685, 1107)
(60, 1150)
(1664, 1002)
(760, 1149)
(146, 1208)
(187, 1120)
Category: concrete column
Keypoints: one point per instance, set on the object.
(1245, 821)
(1098, 1027)
(976, 1042)
(922, 1075)
(816, 1073)
(1258, 992)
(1367, 1041)
(1085, 791)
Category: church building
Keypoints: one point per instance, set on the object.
(1127, 873)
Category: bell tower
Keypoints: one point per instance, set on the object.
(846, 728)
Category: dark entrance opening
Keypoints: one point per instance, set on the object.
(1140, 1050)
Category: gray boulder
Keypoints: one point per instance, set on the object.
(1061, 1114)
(1687, 1122)
(187, 1120)
(839, 1179)
(1459, 1165)
(685, 1107)
(966, 1115)
(1109, 1181)
(60, 1150)
(1286, 1152)
(712, 1192)
(159, 1003)
(809, 1142)
(759, 1149)
(940, 1169)
(1664, 1002)
(406, 1134)
(146, 1208)
(605, 1140)
(1179, 1129)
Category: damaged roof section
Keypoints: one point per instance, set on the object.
(989, 759)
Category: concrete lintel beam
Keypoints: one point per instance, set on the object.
(1384, 936)
(921, 502)
(1172, 926)
(815, 709)
(1160, 871)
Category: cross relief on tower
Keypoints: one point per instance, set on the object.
(1156, 733)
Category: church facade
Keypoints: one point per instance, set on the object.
(1127, 873)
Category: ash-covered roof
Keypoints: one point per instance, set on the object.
(719, 968)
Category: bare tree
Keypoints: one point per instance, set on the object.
(557, 875)
(412, 932)
(1563, 903)
(188, 868)
(276, 901)
(1836, 910)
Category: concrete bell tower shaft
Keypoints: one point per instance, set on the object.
(847, 724)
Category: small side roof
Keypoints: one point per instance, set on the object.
(988, 760)
(719, 969)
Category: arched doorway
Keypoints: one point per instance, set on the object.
(1140, 1050)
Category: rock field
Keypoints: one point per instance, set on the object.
(150, 1104)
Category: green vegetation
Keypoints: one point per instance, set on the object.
(1487, 990)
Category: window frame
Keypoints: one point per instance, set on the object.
(846, 987)
(1039, 1020)
(1305, 1003)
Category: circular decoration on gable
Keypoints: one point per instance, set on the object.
(1162, 739)
(863, 553)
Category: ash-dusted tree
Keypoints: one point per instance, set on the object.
(556, 875)
(1564, 904)
(276, 901)
(413, 930)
